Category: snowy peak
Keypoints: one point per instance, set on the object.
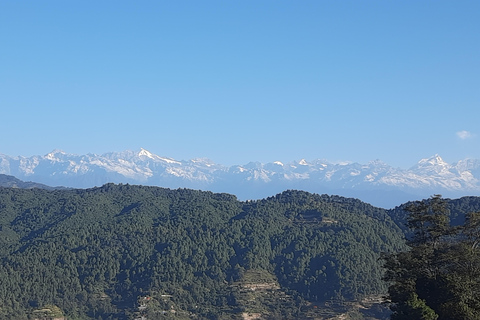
(143, 153)
(253, 180)
(432, 165)
(303, 162)
(55, 154)
(146, 153)
(436, 160)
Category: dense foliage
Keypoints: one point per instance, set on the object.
(439, 276)
(122, 251)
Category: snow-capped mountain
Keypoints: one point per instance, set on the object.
(375, 182)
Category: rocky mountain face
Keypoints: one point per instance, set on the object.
(375, 182)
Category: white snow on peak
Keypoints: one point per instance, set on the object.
(377, 162)
(169, 160)
(52, 155)
(203, 161)
(147, 154)
(354, 173)
(142, 166)
(342, 163)
(303, 162)
(435, 160)
(468, 164)
(433, 165)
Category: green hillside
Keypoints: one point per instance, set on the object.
(123, 252)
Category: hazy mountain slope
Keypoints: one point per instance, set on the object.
(12, 182)
(375, 182)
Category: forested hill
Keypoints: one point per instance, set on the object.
(457, 208)
(123, 252)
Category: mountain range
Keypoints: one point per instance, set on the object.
(375, 182)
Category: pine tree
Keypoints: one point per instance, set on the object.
(439, 277)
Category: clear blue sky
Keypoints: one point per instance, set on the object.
(240, 81)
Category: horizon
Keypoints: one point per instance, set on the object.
(283, 161)
(376, 182)
(238, 82)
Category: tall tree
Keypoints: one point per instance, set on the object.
(439, 276)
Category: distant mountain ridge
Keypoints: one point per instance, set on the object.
(375, 182)
(12, 182)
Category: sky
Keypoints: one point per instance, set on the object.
(241, 81)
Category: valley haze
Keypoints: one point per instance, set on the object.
(375, 182)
